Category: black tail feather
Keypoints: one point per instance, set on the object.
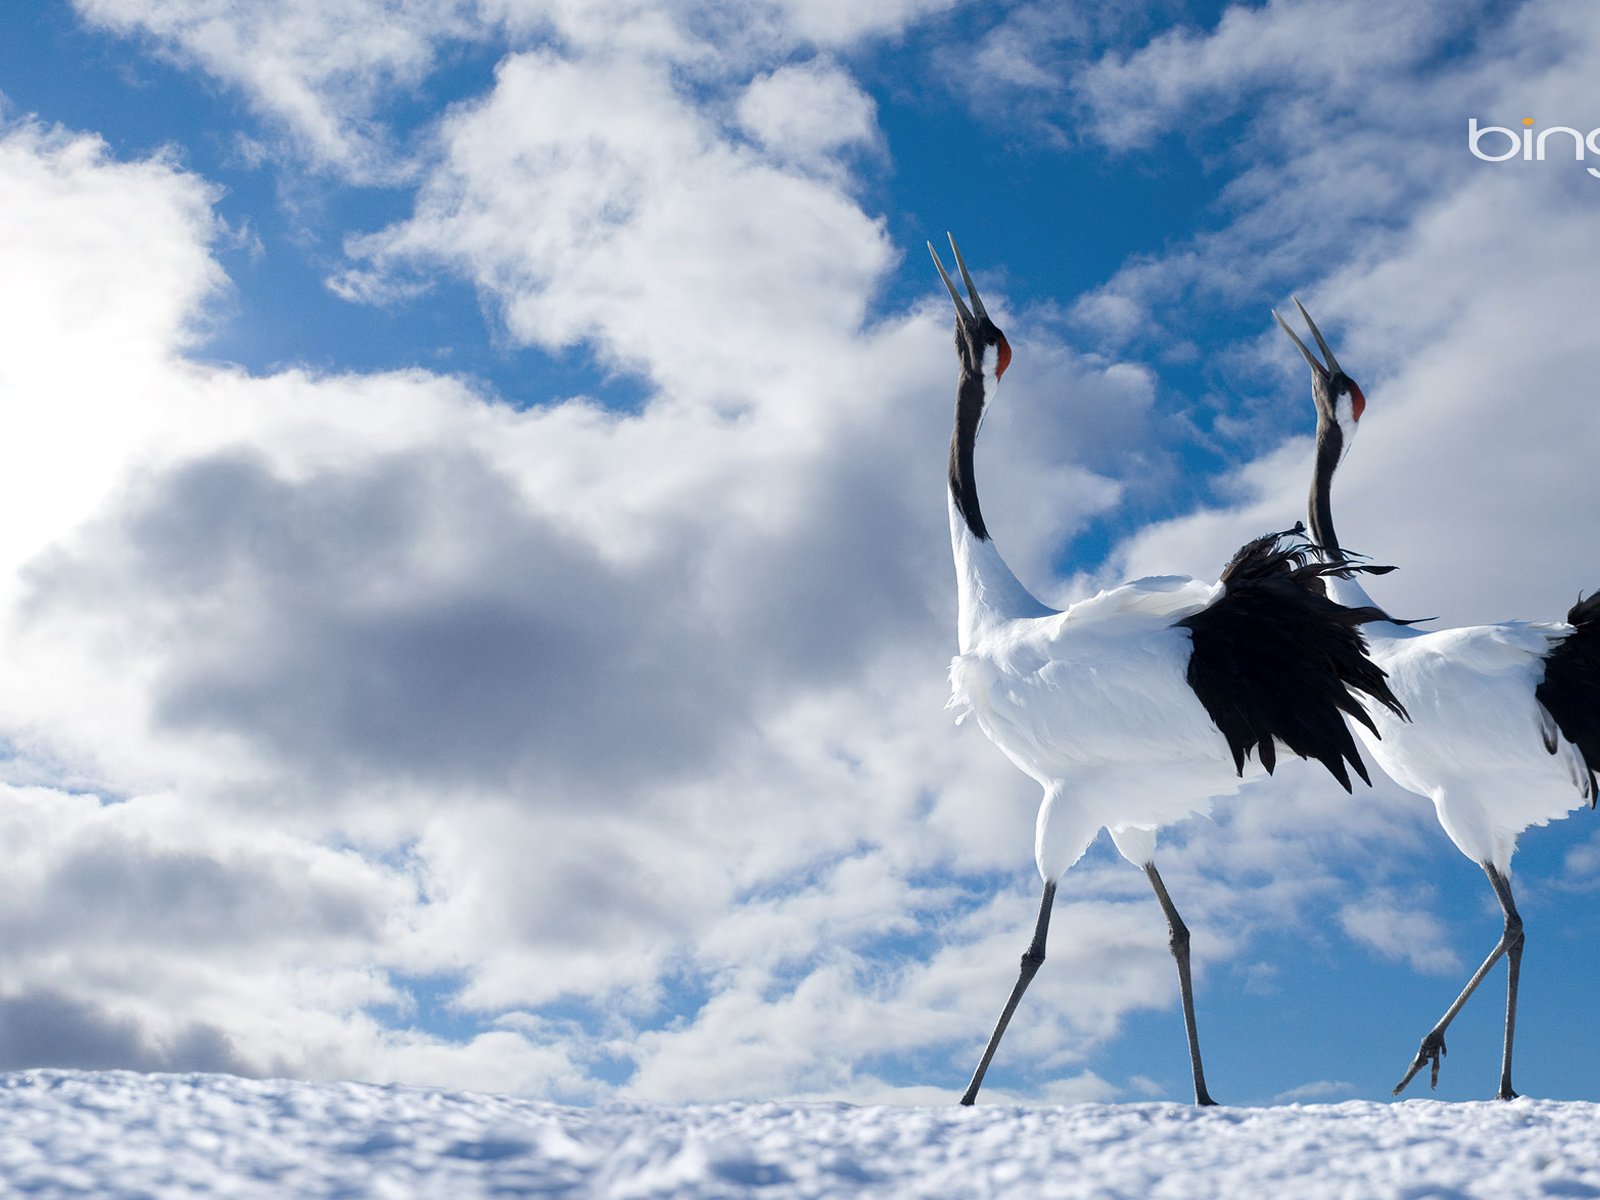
(1275, 660)
(1570, 691)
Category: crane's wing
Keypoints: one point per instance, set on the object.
(1275, 659)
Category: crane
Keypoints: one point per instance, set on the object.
(1505, 719)
(1134, 707)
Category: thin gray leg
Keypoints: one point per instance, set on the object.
(1178, 940)
(1030, 968)
(1502, 890)
(1510, 945)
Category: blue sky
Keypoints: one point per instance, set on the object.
(476, 593)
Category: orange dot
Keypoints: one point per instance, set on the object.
(1527, 120)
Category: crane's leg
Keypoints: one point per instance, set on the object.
(1178, 940)
(1030, 968)
(1502, 890)
(1510, 945)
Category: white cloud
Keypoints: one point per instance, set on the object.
(321, 68)
(152, 934)
(111, 263)
(1322, 1089)
(704, 33)
(327, 74)
(1328, 49)
(807, 112)
(592, 201)
(840, 22)
(1333, 164)
(1400, 927)
(1581, 865)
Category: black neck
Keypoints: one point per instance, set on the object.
(1330, 446)
(963, 487)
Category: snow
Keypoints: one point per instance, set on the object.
(119, 1134)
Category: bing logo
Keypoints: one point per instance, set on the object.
(1524, 144)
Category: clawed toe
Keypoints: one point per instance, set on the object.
(1429, 1053)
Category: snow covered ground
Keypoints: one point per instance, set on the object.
(117, 1134)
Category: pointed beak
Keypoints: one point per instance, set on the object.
(1332, 367)
(1327, 354)
(962, 310)
(1316, 367)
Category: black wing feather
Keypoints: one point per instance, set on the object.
(1275, 660)
(1571, 688)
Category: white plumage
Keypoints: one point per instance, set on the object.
(1476, 744)
(1092, 703)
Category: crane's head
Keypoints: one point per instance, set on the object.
(979, 341)
(1338, 399)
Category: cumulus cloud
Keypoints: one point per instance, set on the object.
(111, 264)
(704, 34)
(1397, 927)
(318, 70)
(47, 1028)
(1322, 1089)
(1320, 49)
(153, 935)
(329, 77)
(667, 248)
(806, 113)
(409, 618)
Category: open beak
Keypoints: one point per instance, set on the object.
(1333, 364)
(962, 310)
(965, 314)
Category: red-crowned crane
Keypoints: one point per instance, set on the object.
(1135, 707)
(1505, 719)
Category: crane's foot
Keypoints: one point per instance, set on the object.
(1204, 1100)
(1506, 1092)
(1428, 1054)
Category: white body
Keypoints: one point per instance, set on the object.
(1092, 702)
(1476, 741)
